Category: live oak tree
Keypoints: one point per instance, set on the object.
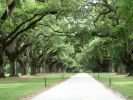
(34, 34)
(18, 18)
(109, 19)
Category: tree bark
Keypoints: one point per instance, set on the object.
(38, 69)
(13, 70)
(130, 69)
(23, 66)
(33, 69)
(23, 70)
(121, 69)
(2, 75)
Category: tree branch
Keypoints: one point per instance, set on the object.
(19, 26)
(7, 12)
(22, 49)
(15, 35)
(64, 33)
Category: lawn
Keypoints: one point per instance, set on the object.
(16, 88)
(121, 83)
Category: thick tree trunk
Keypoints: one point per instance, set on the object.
(13, 71)
(23, 66)
(44, 67)
(2, 75)
(130, 69)
(47, 68)
(38, 69)
(121, 69)
(33, 70)
(23, 70)
(105, 67)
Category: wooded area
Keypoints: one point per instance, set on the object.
(42, 36)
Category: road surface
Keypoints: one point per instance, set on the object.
(81, 86)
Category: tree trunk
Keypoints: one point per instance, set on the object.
(13, 70)
(130, 73)
(2, 75)
(121, 69)
(23, 67)
(23, 70)
(44, 67)
(33, 70)
(38, 69)
(130, 69)
(47, 68)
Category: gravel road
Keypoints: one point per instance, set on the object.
(81, 86)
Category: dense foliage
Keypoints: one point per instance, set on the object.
(64, 35)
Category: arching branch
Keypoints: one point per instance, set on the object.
(7, 12)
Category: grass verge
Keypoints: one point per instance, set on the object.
(121, 83)
(17, 88)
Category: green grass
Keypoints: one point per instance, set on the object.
(16, 88)
(121, 83)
